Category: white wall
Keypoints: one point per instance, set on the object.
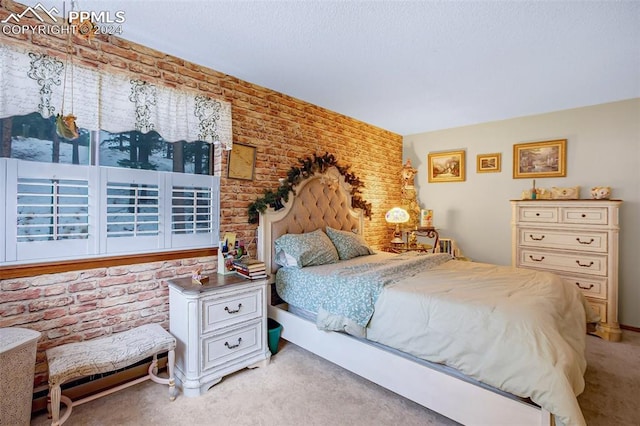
(603, 148)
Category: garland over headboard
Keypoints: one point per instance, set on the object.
(309, 166)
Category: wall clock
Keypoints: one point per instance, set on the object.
(242, 162)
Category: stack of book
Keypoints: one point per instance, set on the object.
(250, 268)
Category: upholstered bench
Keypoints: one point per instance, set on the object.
(105, 354)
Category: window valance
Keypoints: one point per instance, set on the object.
(35, 82)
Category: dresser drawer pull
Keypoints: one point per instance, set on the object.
(536, 260)
(585, 288)
(233, 346)
(584, 265)
(584, 215)
(584, 242)
(537, 214)
(536, 238)
(233, 311)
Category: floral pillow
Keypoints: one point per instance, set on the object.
(308, 249)
(348, 244)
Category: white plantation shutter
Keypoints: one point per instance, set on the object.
(51, 211)
(132, 221)
(3, 199)
(61, 211)
(195, 202)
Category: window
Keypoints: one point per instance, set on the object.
(142, 194)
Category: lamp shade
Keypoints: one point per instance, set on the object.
(397, 215)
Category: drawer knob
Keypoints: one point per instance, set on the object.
(536, 238)
(536, 260)
(584, 215)
(233, 346)
(584, 265)
(589, 287)
(584, 242)
(537, 214)
(233, 311)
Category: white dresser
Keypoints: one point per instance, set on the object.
(220, 328)
(577, 239)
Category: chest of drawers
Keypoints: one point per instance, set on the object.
(220, 328)
(578, 240)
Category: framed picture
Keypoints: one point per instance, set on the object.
(242, 162)
(489, 163)
(446, 166)
(540, 159)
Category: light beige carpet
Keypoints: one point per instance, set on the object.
(299, 388)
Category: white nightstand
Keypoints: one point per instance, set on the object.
(220, 328)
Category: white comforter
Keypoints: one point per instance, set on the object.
(522, 331)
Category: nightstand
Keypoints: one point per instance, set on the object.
(220, 328)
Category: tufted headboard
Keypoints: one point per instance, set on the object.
(323, 199)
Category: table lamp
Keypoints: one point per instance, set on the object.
(397, 216)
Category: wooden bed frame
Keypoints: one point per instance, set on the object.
(324, 200)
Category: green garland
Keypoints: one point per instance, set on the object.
(295, 175)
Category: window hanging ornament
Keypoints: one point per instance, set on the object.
(66, 124)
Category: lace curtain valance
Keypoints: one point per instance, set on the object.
(34, 82)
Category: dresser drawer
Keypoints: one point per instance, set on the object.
(538, 214)
(584, 215)
(600, 308)
(582, 241)
(232, 346)
(590, 286)
(225, 311)
(581, 263)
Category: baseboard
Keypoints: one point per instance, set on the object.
(88, 386)
(630, 328)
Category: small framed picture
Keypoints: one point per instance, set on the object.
(446, 166)
(489, 163)
(242, 162)
(540, 159)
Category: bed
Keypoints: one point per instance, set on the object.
(514, 348)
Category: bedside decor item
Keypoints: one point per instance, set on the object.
(409, 195)
(426, 218)
(570, 193)
(446, 166)
(308, 167)
(489, 163)
(242, 162)
(601, 192)
(540, 159)
(396, 216)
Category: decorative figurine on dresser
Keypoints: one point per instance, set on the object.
(578, 240)
(220, 327)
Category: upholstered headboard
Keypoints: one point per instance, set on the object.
(323, 199)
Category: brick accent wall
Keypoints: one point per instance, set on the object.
(81, 305)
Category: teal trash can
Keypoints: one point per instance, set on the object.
(275, 328)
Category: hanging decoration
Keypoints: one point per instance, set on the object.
(308, 167)
(66, 124)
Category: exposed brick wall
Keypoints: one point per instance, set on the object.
(79, 305)
(76, 306)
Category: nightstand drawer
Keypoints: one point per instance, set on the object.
(231, 346)
(581, 263)
(590, 286)
(549, 238)
(538, 214)
(225, 311)
(585, 215)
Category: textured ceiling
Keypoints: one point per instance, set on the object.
(408, 67)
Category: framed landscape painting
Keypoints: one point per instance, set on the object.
(446, 166)
(489, 163)
(540, 159)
